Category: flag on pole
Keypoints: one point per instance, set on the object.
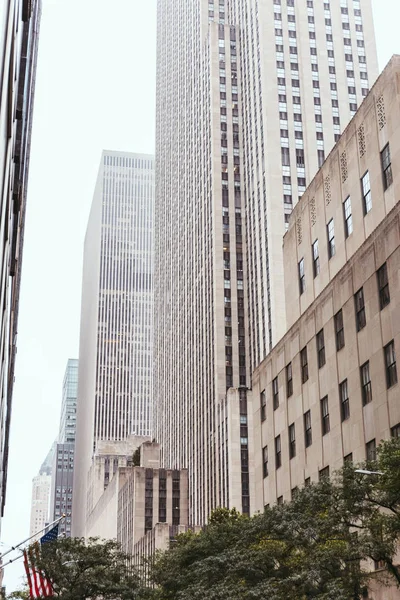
(40, 585)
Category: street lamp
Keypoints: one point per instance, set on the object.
(365, 472)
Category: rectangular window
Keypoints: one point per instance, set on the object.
(390, 363)
(325, 416)
(360, 309)
(395, 431)
(331, 239)
(348, 458)
(323, 473)
(344, 400)
(278, 452)
(304, 365)
(366, 389)
(292, 441)
(348, 218)
(386, 167)
(275, 393)
(383, 285)
(263, 405)
(321, 348)
(366, 193)
(370, 451)
(289, 380)
(265, 461)
(302, 277)
(307, 429)
(339, 330)
(315, 253)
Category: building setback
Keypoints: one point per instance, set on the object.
(250, 97)
(328, 392)
(19, 30)
(115, 365)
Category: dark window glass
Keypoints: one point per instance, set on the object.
(325, 416)
(292, 441)
(339, 330)
(278, 452)
(348, 458)
(331, 239)
(390, 363)
(360, 309)
(289, 380)
(323, 473)
(321, 348)
(302, 277)
(304, 365)
(263, 405)
(344, 400)
(386, 167)
(348, 218)
(366, 389)
(307, 429)
(383, 285)
(275, 393)
(395, 431)
(370, 450)
(265, 461)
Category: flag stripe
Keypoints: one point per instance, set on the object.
(28, 574)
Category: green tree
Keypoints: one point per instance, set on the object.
(93, 569)
(320, 545)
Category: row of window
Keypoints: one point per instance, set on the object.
(348, 218)
(370, 447)
(366, 387)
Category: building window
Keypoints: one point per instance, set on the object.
(366, 388)
(360, 309)
(339, 330)
(366, 193)
(348, 218)
(383, 285)
(263, 405)
(275, 393)
(292, 441)
(315, 253)
(390, 363)
(370, 451)
(289, 380)
(323, 473)
(307, 428)
(302, 277)
(348, 458)
(331, 239)
(344, 400)
(279, 500)
(395, 431)
(386, 167)
(278, 452)
(321, 348)
(304, 365)
(325, 416)
(265, 461)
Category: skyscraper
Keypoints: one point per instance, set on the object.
(115, 356)
(41, 485)
(250, 98)
(63, 463)
(19, 32)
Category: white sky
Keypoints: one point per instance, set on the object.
(95, 89)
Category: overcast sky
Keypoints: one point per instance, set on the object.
(95, 89)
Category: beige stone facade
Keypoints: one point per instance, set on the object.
(328, 391)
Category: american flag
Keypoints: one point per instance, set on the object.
(40, 585)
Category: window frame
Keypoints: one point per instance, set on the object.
(366, 385)
(348, 217)
(371, 445)
(390, 369)
(275, 393)
(307, 428)
(325, 420)
(315, 257)
(289, 380)
(304, 365)
(320, 349)
(330, 231)
(344, 400)
(265, 461)
(278, 452)
(383, 286)
(339, 330)
(263, 405)
(292, 441)
(302, 277)
(366, 193)
(359, 302)
(387, 174)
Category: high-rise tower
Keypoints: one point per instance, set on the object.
(115, 356)
(250, 98)
(68, 403)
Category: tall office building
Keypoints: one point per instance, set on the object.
(19, 30)
(63, 462)
(41, 485)
(251, 96)
(116, 343)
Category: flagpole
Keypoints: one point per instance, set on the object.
(12, 560)
(30, 537)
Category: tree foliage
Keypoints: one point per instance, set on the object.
(95, 569)
(321, 545)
